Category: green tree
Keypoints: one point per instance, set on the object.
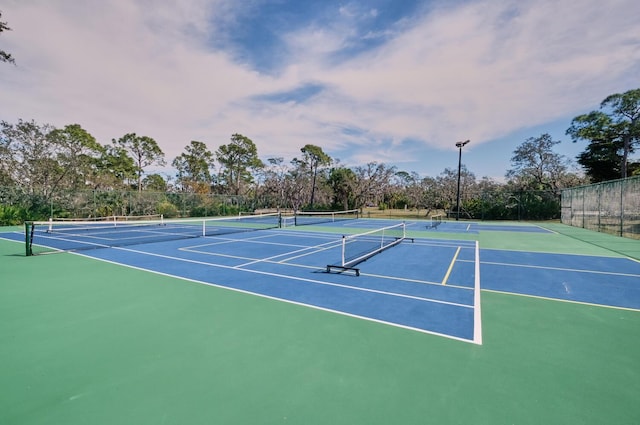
(78, 152)
(343, 182)
(4, 56)
(602, 158)
(6, 158)
(115, 169)
(313, 160)
(536, 166)
(144, 151)
(612, 133)
(194, 167)
(625, 110)
(155, 183)
(41, 159)
(238, 159)
(30, 157)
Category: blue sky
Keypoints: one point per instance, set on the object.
(393, 81)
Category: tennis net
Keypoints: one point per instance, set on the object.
(362, 246)
(288, 220)
(436, 220)
(306, 218)
(81, 235)
(111, 218)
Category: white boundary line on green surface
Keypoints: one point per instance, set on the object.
(540, 297)
(477, 313)
(476, 339)
(342, 313)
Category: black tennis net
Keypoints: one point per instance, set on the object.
(80, 235)
(306, 218)
(359, 247)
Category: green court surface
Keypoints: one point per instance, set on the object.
(89, 342)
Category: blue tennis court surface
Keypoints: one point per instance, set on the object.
(428, 285)
(291, 266)
(424, 285)
(589, 279)
(452, 226)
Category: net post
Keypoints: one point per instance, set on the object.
(50, 225)
(204, 227)
(28, 238)
(344, 243)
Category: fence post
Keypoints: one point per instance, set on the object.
(622, 183)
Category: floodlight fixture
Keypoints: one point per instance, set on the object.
(459, 145)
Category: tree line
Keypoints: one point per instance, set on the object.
(42, 162)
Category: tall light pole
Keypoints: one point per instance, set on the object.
(459, 145)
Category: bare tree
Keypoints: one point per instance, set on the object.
(4, 56)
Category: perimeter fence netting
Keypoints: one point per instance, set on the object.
(611, 207)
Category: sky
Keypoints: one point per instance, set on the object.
(388, 81)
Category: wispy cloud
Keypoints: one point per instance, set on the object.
(365, 83)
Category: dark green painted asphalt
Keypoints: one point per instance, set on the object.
(87, 342)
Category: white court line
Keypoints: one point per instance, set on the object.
(332, 239)
(601, 255)
(225, 241)
(315, 307)
(417, 240)
(545, 229)
(324, 236)
(477, 314)
(404, 279)
(540, 297)
(397, 325)
(421, 241)
(93, 244)
(303, 266)
(251, 259)
(376, 291)
(307, 251)
(561, 269)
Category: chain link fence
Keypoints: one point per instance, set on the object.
(610, 207)
(519, 205)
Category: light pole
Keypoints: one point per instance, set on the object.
(459, 145)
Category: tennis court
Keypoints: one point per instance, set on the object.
(454, 323)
